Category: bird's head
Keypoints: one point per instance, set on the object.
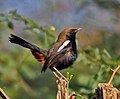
(68, 34)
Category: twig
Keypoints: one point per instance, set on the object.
(113, 74)
(72, 96)
(3, 95)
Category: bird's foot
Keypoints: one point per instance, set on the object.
(60, 77)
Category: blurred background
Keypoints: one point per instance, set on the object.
(40, 21)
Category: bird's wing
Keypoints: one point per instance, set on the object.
(55, 57)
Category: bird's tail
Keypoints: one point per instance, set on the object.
(20, 41)
(37, 52)
(17, 40)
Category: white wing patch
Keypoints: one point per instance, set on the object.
(63, 45)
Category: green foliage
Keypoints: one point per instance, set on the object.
(20, 73)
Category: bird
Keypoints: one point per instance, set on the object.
(61, 55)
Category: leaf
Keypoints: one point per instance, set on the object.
(10, 25)
(107, 54)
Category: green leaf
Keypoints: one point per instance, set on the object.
(10, 25)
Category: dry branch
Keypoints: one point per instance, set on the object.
(106, 90)
(3, 95)
(62, 92)
(113, 74)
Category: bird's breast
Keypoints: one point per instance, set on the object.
(66, 61)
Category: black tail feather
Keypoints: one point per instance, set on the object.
(17, 40)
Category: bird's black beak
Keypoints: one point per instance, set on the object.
(77, 30)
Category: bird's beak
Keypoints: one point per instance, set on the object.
(77, 30)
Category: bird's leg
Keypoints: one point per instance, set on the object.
(56, 75)
(59, 73)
